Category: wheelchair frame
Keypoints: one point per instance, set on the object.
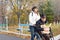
(50, 35)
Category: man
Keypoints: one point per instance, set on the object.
(33, 18)
(41, 27)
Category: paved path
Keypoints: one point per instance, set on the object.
(57, 37)
(7, 37)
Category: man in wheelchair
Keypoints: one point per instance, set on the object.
(42, 29)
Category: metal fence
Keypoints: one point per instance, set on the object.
(22, 30)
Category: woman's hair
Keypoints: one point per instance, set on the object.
(34, 8)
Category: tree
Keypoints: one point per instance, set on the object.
(24, 10)
(48, 10)
(21, 11)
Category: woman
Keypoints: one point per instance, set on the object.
(33, 18)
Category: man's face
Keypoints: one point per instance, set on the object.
(43, 19)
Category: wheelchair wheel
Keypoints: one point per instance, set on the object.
(37, 36)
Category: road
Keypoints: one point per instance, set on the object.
(57, 37)
(7, 37)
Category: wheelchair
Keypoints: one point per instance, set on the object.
(40, 36)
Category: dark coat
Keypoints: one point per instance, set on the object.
(38, 25)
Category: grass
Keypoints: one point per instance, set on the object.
(56, 29)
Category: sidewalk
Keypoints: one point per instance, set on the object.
(7, 37)
(57, 37)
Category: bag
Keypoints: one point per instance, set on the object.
(46, 29)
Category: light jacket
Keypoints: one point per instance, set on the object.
(33, 18)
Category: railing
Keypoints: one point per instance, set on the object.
(24, 27)
(3, 27)
(23, 30)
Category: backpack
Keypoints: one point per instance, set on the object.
(32, 13)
